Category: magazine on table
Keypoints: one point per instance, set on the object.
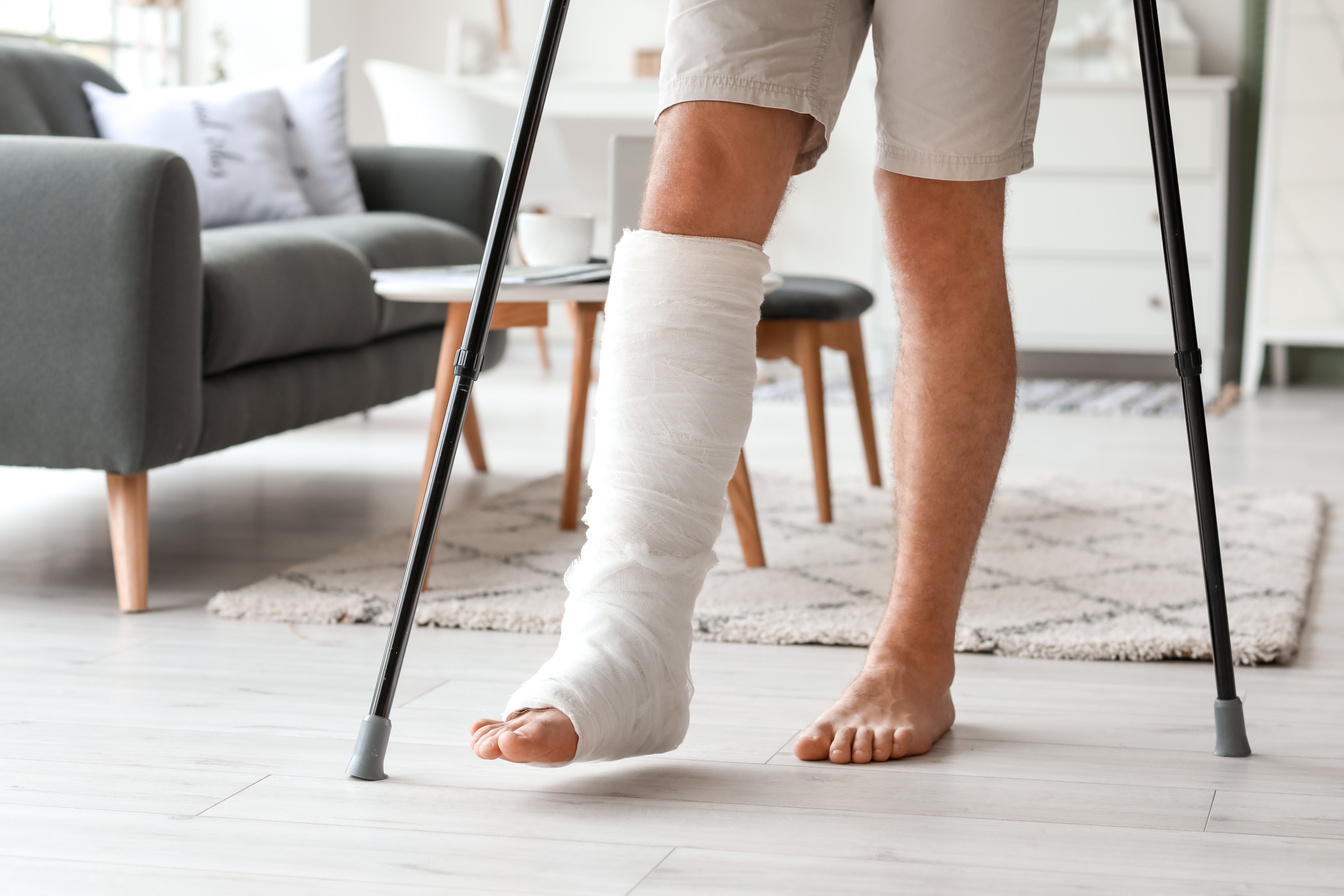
(463, 276)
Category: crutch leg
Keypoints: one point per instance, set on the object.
(374, 731)
(1229, 722)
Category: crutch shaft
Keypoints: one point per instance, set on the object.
(1231, 739)
(374, 732)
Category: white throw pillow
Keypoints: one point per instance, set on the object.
(233, 140)
(315, 96)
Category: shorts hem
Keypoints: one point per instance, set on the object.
(749, 92)
(948, 166)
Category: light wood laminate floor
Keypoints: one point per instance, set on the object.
(174, 752)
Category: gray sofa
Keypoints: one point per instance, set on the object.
(130, 339)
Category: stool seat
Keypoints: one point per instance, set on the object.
(816, 298)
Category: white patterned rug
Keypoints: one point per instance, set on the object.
(1106, 398)
(1065, 569)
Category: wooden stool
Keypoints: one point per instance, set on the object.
(799, 318)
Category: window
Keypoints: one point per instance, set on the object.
(138, 41)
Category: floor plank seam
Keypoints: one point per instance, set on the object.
(101, 657)
(407, 703)
(1055, 743)
(746, 808)
(655, 867)
(784, 747)
(231, 796)
(205, 869)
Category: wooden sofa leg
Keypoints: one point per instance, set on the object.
(128, 518)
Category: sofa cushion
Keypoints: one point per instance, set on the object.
(273, 290)
(285, 288)
(401, 240)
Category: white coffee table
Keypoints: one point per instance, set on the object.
(529, 306)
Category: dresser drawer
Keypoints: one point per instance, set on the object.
(1107, 130)
(1063, 305)
(1100, 216)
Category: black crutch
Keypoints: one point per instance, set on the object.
(1229, 722)
(371, 745)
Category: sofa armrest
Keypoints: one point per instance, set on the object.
(100, 305)
(454, 185)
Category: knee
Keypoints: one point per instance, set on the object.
(938, 225)
(944, 243)
(721, 169)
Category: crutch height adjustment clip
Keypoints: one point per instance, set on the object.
(468, 364)
(1189, 363)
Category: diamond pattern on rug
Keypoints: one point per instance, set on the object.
(1065, 569)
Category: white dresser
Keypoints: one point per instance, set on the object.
(1083, 240)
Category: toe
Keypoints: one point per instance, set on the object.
(863, 746)
(902, 742)
(882, 744)
(814, 743)
(485, 743)
(483, 723)
(539, 736)
(842, 745)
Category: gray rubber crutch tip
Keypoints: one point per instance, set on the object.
(370, 748)
(1229, 724)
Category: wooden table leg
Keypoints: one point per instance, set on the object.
(542, 349)
(744, 515)
(471, 434)
(584, 315)
(453, 331)
(506, 316)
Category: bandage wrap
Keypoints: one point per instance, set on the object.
(672, 410)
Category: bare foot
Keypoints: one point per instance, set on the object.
(888, 712)
(534, 735)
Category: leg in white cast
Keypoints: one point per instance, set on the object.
(719, 170)
(672, 410)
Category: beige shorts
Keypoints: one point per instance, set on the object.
(958, 81)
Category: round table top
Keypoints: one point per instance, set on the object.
(562, 292)
(427, 292)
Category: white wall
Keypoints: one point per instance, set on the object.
(264, 35)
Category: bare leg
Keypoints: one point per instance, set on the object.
(719, 170)
(951, 416)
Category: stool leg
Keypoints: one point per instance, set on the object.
(807, 355)
(848, 337)
(744, 515)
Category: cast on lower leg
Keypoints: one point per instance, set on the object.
(672, 410)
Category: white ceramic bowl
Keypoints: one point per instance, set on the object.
(555, 239)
